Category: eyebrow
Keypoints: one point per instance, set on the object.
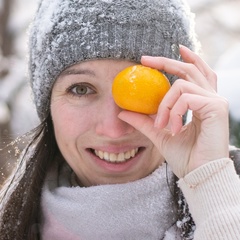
(75, 71)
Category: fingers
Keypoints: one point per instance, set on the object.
(197, 87)
(182, 97)
(141, 122)
(204, 109)
(193, 69)
(179, 87)
(190, 57)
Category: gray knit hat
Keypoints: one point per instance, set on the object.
(66, 32)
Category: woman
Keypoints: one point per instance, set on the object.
(68, 183)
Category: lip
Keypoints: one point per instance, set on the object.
(115, 167)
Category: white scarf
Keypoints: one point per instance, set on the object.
(137, 210)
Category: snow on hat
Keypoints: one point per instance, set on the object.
(66, 32)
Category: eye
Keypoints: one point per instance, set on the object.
(80, 90)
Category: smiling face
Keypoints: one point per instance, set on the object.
(99, 147)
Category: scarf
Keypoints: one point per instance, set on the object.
(139, 210)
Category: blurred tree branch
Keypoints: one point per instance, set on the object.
(5, 35)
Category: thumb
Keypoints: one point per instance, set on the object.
(144, 124)
(161, 138)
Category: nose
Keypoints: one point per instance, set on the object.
(109, 124)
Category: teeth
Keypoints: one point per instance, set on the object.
(116, 157)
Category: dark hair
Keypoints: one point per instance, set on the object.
(185, 222)
(20, 195)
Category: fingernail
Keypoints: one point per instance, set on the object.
(147, 57)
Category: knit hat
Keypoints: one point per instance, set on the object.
(66, 32)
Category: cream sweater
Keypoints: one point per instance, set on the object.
(213, 194)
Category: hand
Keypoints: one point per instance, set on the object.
(206, 137)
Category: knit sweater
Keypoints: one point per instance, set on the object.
(213, 195)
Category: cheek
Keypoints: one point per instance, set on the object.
(69, 121)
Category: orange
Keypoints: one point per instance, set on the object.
(140, 89)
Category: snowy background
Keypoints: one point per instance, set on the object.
(217, 25)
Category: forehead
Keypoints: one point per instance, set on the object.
(93, 67)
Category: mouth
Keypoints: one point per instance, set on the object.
(120, 157)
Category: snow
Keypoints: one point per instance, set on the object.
(13, 80)
(218, 24)
(229, 87)
(45, 24)
(228, 71)
(228, 15)
(4, 113)
(198, 4)
(21, 16)
(24, 109)
(107, 1)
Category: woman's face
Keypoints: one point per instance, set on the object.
(99, 147)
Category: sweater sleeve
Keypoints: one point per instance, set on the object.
(213, 195)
